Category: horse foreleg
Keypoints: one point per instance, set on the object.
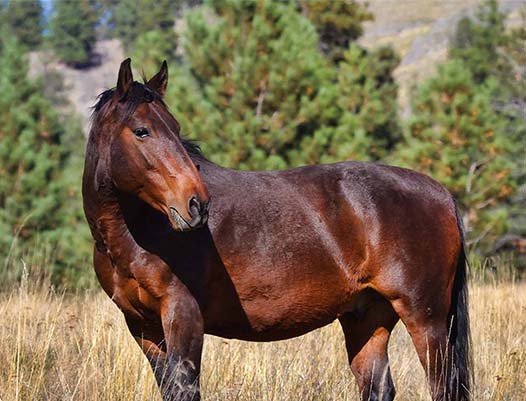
(183, 332)
(366, 337)
(152, 345)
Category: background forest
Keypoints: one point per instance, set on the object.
(261, 85)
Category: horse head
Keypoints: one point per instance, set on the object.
(139, 150)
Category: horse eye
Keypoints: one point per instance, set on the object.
(141, 132)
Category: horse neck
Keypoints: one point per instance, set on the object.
(102, 208)
(114, 232)
(209, 171)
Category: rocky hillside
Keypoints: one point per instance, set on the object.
(83, 86)
(418, 29)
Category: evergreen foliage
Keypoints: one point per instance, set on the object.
(146, 29)
(252, 73)
(455, 137)
(357, 115)
(132, 18)
(25, 21)
(492, 52)
(496, 57)
(73, 31)
(154, 47)
(39, 190)
(338, 23)
(258, 94)
(477, 42)
(2, 18)
(509, 101)
(468, 127)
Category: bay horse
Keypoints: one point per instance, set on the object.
(185, 247)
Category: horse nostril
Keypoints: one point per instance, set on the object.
(194, 207)
(198, 212)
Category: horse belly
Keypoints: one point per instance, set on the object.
(268, 328)
(277, 308)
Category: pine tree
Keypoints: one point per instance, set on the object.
(131, 18)
(25, 21)
(496, 58)
(477, 42)
(39, 202)
(491, 51)
(3, 18)
(152, 48)
(253, 69)
(509, 100)
(258, 94)
(73, 31)
(146, 29)
(455, 137)
(358, 113)
(338, 23)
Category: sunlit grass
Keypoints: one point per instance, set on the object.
(76, 347)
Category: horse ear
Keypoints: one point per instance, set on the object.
(159, 81)
(125, 78)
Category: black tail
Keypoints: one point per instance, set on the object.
(460, 375)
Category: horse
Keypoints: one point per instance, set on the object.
(186, 247)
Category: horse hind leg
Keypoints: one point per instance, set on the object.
(430, 338)
(367, 333)
(441, 339)
(433, 305)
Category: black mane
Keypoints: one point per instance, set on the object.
(193, 149)
(102, 99)
(137, 94)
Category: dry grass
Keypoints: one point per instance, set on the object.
(77, 348)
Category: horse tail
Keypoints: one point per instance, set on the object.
(459, 377)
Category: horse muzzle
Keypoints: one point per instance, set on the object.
(198, 212)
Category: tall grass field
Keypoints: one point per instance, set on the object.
(76, 347)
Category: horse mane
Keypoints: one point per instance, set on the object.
(137, 94)
(193, 148)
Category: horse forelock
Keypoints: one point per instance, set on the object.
(136, 95)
